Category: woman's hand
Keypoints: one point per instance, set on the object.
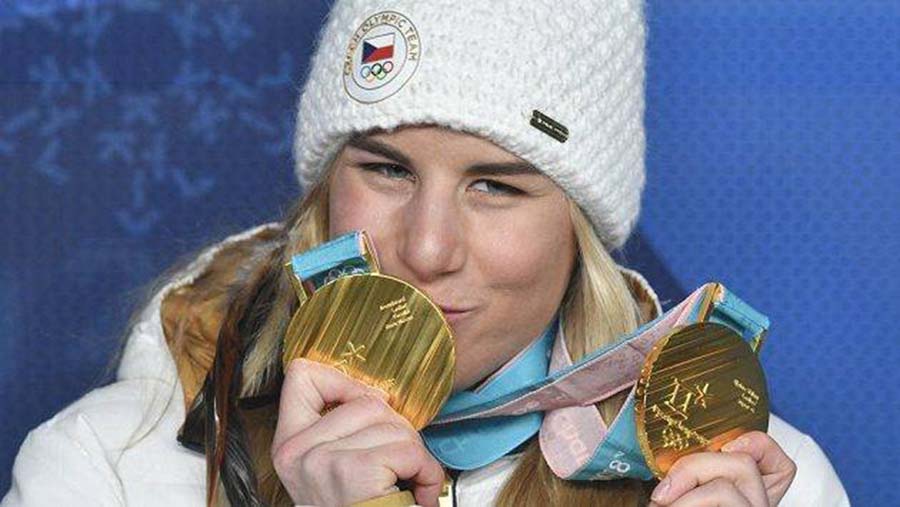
(357, 451)
(751, 471)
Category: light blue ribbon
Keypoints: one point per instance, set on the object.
(476, 442)
(329, 261)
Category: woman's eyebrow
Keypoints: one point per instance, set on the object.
(379, 148)
(501, 169)
(484, 169)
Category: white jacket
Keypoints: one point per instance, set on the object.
(116, 445)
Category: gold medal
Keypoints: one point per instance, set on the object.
(384, 332)
(701, 386)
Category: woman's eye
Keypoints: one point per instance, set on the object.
(392, 171)
(495, 188)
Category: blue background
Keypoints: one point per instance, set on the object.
(132, 132)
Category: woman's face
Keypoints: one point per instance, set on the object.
(478, 229)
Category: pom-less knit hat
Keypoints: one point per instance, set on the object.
(559, 84)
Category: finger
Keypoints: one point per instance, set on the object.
(410, 461)
(777, 469)
(344, 421)
(307, 389)
(716, 493)
(697, 469)
(376, 436)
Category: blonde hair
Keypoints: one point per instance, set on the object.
(597, 308)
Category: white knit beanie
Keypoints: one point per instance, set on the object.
(558, 83)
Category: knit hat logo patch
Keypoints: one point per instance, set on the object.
(382, 56)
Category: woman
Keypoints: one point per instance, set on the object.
(494, 153)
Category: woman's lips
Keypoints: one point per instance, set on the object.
(455, 315)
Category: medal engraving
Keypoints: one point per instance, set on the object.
(749, 399)
(400, 313)
(350, 356)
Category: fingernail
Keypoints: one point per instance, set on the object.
(736, 445)
(659, 493)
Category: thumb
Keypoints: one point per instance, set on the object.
(775, 466)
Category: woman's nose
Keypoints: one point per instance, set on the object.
(432, 238)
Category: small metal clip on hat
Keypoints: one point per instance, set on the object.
(549, 126)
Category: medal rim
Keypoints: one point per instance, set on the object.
(640, 408)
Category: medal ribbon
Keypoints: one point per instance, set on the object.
(541, 390)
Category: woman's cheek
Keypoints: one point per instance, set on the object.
(528, 253)
(352, 207)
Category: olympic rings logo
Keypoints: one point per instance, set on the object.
(338, 272)
(377, 71)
